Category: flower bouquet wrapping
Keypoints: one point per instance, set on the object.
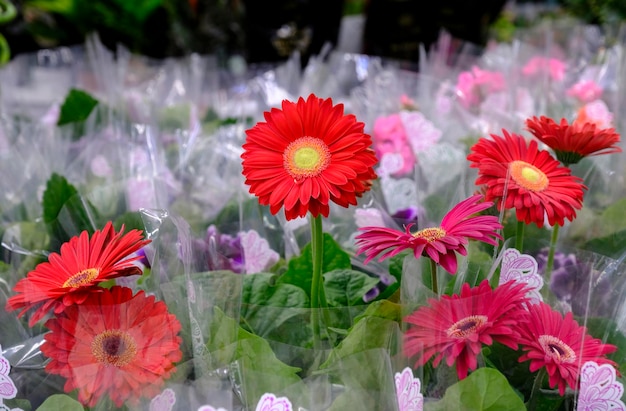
(315, 255)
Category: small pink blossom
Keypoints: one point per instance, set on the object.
(389, 136)
(595, 112)
(269, 402)
(539, 65)
(585, 91)
(473, 86)
(421, 133)
(599, 390)
(408, 391)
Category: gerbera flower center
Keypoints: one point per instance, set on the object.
(114, 347)
(84, 277)
(528, 176)
(556, 349)
(467, 326)
(431, 234)
(306, 157)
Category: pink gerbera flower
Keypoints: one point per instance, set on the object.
(559, 344)
(438, 243)
(455, 327)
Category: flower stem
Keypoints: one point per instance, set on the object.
(519, 236)
(551, 251)
(433, 276)
(536, 388)
(318, 297)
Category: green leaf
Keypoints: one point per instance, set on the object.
(608, 331)
(367, 334)
(486, 389)
(613, 219)
(612, 245)
(77, 107)
(300, 269)
(58, 402)
(259, 369)
(266, 306)
(51, 6)
(65, 213)
(347, 287)
(383, 309)
(139, 9)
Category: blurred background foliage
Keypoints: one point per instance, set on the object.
(253, 28)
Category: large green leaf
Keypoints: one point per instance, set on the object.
(486, 389)
(65, 213)
(60, 402)
(300, 269)
(259, 370)
(347, 287)
(266, 306)
(368, 333)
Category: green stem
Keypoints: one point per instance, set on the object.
(433, 276)
(519, 236)
(536, 388)
(550, 263)
(318, 297)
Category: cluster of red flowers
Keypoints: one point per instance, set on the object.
(103, 341)
(456, 327)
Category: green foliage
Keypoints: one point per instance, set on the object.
(300, 269)
(485, 389)
(76, 107)
(60, 402)
(266, 306)
(65, 213)
(261, 370)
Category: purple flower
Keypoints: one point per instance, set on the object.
(577, 284)
(219, 251)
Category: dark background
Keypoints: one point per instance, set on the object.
(264, 30)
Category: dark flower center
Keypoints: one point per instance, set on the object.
(556, 349)
(467, 326)
(82, 278)
(114, 347)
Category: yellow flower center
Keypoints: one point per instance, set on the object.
(306, 157)
(84, 277)
(431, 234)
(467, 326)
(556, 349)
(114, 347)
(529, 176)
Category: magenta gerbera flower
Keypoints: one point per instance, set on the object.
(438, 243)
(455, 327)
(559, 344)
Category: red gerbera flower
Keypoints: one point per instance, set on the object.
(455, 327)
(560, 345)
(82, 264)
(115, 344)
(573, 142)
(306, 155)
(438, 243)
(519, 175)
